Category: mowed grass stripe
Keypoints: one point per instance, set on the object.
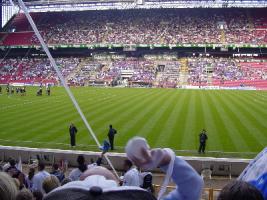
(161, 120)
(144, 125)
(177, 139)
(232, 128)
(220, 118)
(39, 122)
(189, 133)
(249, 111)
(107, 116)
(83, 133)
(139, 122)
(69, 116)
(210, 121)
(127, 120)
(253, 135)
(169, 128)
(122, 118)
(251, 100)
(46, 119)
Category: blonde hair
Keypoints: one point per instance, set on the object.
(8, 189)
(50, 183)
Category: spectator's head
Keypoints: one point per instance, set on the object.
(240, 190)
(12, 162)
(37, 194)
(65, 181)
(24, 194)
(98, 170)
(92, 161)
(99, 161)
(50, 183)
(41, 166)
(110, 126)
(81, 160)
(127, 165)
(8, 189)
(55, 167)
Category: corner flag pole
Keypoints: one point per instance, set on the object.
(53, 63)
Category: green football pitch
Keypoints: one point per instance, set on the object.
(236, 121)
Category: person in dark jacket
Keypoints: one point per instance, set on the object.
(202, 141)
(73, 130)
(111, 134)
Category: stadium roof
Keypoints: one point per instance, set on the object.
(72, 5)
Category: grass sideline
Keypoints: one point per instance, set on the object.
(235, 120)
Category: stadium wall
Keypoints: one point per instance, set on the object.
(219, 166)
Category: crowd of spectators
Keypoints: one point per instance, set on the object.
(41, 180)
(31, 70)
(224, 69)
(82, 71)
(146, 27)
(92, 181)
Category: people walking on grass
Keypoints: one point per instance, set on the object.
(202, 141)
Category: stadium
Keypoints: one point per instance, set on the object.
(161, 70)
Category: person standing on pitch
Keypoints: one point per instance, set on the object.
(202, 141)
(111, 134)
(73, 130)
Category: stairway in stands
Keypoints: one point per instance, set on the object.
(223, 37)
(183, 71)
(78, 68)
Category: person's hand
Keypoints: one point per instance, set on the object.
(151, 158)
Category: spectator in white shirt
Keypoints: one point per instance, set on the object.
(39, 178)
(131, 177)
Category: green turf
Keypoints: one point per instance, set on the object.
(236, 121)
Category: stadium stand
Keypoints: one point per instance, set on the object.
(142, 27)
(202, 71)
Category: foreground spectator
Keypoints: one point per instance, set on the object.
(100, 183)
(256, 173)
(38, 195)
(39, 178)
(65, 181)
(240, 190)
(50, 183)
(24, 194)
(131, 177)
(12, 170)
(8, 189)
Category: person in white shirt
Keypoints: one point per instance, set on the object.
(131, 177)
(38, 178)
